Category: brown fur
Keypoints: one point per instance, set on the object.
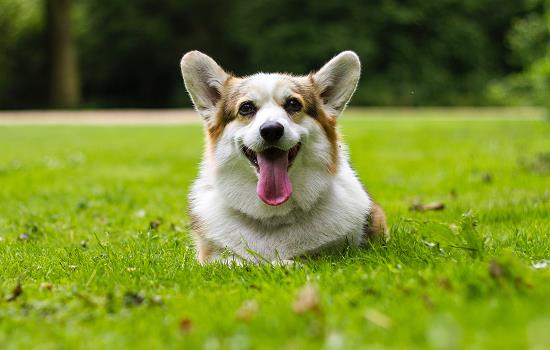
(314, 108)
(204, 249)
(224, 114)
(328, 123)
(376, 226)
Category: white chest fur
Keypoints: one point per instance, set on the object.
(337, 217)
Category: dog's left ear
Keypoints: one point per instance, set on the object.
(204, 80)
(337, 81)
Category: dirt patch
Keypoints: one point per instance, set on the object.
(101, 117)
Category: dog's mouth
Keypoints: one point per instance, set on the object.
(272, 165)
(253, 158)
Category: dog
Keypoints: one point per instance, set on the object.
(275, 181)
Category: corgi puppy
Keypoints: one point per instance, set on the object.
(275, 181)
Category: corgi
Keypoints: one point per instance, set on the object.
(275, 181)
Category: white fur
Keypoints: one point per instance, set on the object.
(325, 210)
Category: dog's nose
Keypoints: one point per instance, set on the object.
(272, 131)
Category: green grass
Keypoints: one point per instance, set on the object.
(77, 203)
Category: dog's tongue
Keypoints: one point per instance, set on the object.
(274, 187)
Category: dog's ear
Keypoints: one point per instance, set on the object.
(204, 80)
(337, 81)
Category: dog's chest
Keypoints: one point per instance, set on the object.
(336, 219)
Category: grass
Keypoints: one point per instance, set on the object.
(93, 226)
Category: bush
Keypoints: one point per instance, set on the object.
(529, 39)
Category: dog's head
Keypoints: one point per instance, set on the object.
(271, 136)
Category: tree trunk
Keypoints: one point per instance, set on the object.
(64, 81)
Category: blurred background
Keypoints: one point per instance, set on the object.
(125, 54)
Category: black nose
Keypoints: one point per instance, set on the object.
(272, 131)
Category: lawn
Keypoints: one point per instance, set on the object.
(94, 230)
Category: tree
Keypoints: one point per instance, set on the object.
(64, 89)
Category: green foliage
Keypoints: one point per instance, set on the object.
(23, 68)
(413, 52)
(529, 40)
(93, 226)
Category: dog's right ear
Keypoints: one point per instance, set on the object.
(204, 80)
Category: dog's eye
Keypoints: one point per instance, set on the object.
(247, 109)
(292, 105)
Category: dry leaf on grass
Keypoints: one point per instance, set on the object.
(487, 177)
(307, 300)
(15, 293)
(185, 325)
(46, 286)
(154, 224)
(247, 310)
(418, 206)
(445, 283)
(495, 270)
(133, 299)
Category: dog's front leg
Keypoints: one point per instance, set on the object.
(208, 252)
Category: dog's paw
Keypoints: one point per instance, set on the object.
(233, 261)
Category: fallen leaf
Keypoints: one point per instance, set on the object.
(445, 283)
(46, 286)
(154, 224)
(378, 318)
(185, 325)
(133, 299)
(495, 269)
(15, 293)
(255, 287)
(307, 300)
(487, 177)
(371, 291)
(418, 206)
(247, 310)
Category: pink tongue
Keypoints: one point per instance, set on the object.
(274, 187)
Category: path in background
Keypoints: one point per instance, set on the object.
(101, 117)
(183, 116)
